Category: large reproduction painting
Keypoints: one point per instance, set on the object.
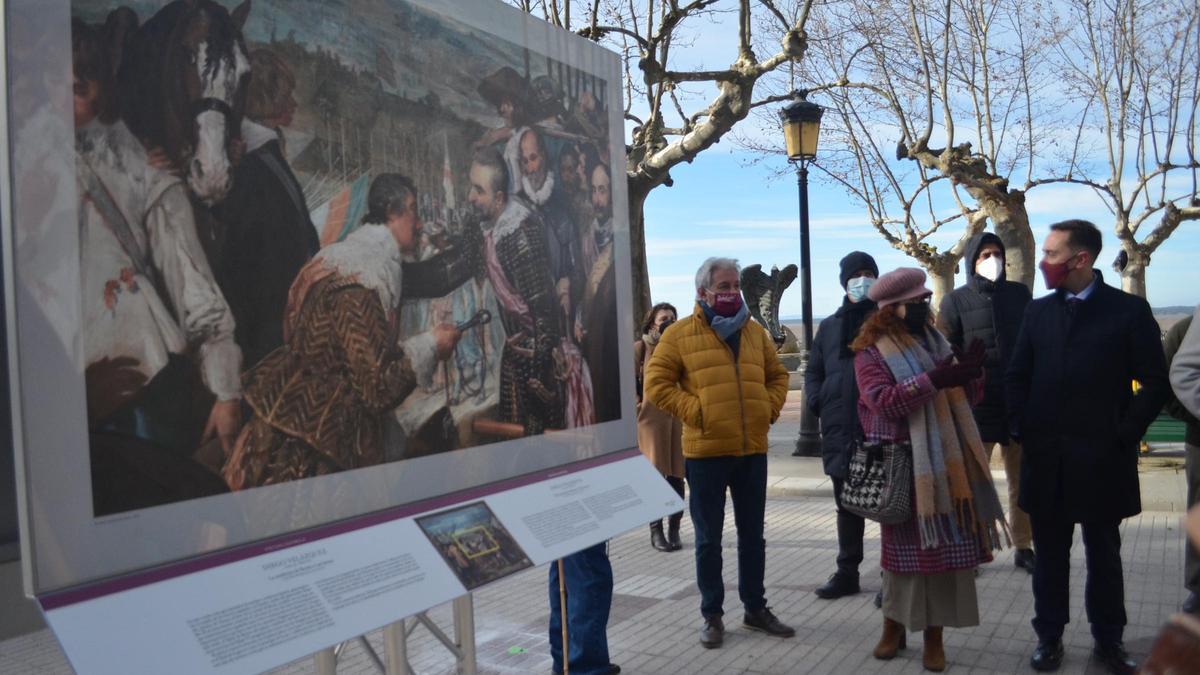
(286, 262)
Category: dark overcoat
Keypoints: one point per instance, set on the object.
(830, 389)
(1071, 402)
(269, 238)
(991, 312)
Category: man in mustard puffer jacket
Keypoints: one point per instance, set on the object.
(719, 374)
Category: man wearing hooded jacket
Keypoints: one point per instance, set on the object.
(832, 395)
(989, 308)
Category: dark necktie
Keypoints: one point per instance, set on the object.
(1073, 305)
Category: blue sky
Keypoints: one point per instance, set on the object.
(719, 206)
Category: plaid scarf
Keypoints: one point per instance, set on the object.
(952, 482)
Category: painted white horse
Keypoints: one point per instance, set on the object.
(181, 79)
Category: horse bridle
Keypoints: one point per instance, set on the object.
(210, 103)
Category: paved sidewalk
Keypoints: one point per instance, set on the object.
(1161, 473)
(655, 615)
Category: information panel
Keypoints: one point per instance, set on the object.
(249, 610)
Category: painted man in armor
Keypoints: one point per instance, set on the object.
(516, 262)
(320, 400)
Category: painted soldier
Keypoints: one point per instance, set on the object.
(158, 335)
(516, 262)
(320, 400)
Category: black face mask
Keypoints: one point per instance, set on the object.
(916, 317)
(664, 326)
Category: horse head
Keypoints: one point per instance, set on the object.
(182, 84)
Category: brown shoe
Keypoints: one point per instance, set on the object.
(892, 641)
(713, 633)
(934, 656)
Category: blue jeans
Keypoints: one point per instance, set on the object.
(589, 582)
(746, 478)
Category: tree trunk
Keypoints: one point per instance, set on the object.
(1133, 277)
(1010, 221)
(637, 253)
(941, 281)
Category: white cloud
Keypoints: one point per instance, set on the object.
(1058, 201)
(836, 226)
(731, 246)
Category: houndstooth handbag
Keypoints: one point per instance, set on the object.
(879, 485)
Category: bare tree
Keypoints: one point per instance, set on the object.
(934, 109)
(1133, 69)
(681, 112)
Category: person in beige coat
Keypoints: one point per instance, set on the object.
(659, 434)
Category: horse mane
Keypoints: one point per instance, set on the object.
(154, 102)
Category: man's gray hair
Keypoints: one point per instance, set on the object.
(704, 275)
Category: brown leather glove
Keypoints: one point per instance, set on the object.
(949, 374)
(975, 355)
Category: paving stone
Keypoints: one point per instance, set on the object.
(656, 620)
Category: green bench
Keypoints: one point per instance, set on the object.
(1165, 429)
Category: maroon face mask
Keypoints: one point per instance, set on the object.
(727, 304)
(1055, 273)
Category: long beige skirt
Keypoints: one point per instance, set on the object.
(922, 600)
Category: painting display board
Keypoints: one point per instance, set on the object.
(283, 273)
(244, 611)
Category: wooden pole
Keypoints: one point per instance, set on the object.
(562, 608)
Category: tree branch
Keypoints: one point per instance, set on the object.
(1173, 216)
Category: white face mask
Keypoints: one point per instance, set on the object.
(857, 288)
(991, 268)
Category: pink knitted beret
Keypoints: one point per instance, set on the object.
(898, 286)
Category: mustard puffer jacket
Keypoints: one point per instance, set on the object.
(726, 406)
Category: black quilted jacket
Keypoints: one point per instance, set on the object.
(991, 312)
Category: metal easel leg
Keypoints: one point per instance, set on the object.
(464, 633)
(395, 648)
(325, 662)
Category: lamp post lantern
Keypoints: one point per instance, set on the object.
(801, 129)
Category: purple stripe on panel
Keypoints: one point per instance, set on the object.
(71, 596)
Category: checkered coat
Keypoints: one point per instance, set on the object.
(883, 408)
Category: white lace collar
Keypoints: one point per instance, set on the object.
(510, 219)
(370, 256)
(538, 197)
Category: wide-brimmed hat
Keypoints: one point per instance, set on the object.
(505, 83)
(547, 98)
(899, 286)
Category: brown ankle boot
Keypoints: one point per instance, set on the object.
(892, 640)
(934, 657)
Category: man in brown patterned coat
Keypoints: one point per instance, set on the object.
(319, 400)
(516, 260)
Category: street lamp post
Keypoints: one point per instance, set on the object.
(801, 129)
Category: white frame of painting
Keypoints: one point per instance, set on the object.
(62, 544)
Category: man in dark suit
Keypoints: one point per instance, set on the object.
(269, 235)
(1071, 403)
